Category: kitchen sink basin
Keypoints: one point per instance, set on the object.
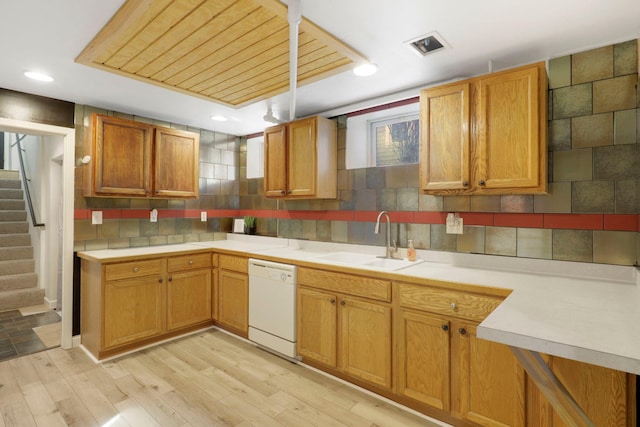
(367, 261)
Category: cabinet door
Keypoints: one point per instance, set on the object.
(122, 157)
(176, 163)
(492, 383)
(317, 326)
(233, 301)
(509, 147)
(188, 298)
(365, 340)
(133, 310)
(601, 392)
(424, 359)
(444, 138)
(275, 161)
(302, 163)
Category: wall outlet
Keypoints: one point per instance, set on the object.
(96, 217)
(203, 216)
(153, 216)
(455, 224)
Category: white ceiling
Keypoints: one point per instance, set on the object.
(47, 35)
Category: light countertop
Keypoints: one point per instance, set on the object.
(581, 311)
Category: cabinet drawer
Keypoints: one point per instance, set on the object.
(127, 270)
(189, 262)
(451, 303)
(234, 263)
(346, 283)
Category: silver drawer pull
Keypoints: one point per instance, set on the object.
(136, 269)
(454, 306)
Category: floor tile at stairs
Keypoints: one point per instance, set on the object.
(19, 334)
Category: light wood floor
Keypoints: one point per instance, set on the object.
(206, 379)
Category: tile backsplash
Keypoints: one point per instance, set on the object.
(590, 214)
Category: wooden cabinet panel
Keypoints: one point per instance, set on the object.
(233, 300)
(133, 309)
(176, 163)
(367, 287)
(132, 159)
(234, 263)
(491, 381)
(188, 298)
(444, 147)
(121, 158)
(423, 372)
(275, 161)
(131, 269)
(317, 326)
(486, 135)
(189, 262)
(300, 160)
(365, 340)
(509, 139)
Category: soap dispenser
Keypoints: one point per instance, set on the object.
(411, 251)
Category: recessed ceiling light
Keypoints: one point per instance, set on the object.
(41, 77)
(366, 69)
(219, 118)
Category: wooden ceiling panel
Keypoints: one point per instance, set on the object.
(232, 52)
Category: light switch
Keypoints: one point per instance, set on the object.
(96, 217)
(153, 217)
(454, 224)
(203, 216)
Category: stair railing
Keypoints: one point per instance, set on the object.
(26, 181)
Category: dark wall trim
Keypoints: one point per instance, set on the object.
(37, 109)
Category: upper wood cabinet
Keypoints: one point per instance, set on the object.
(300, 159)
(486, 135)
(132, 159)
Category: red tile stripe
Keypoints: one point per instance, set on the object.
(607, 222)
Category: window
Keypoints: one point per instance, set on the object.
(384, 137)
(396, 141)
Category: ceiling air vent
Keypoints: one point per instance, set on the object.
(426, 44)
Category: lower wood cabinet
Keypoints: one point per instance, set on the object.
(130, 303)
(233, 294)
(349, 334)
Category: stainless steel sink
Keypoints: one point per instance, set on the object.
(391, 263)
(347, 257)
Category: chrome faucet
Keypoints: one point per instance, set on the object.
(390, 252)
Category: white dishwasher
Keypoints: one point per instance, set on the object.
(272, 306)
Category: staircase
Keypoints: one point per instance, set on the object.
(18, 280)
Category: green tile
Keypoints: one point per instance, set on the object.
(339, 231)
(429, 203)
(136, 242)
(175, 239)
(148, 228)
(615, 162)
(376, 177)
(592, 131)
(626, 57)
(407, 199)
(309, 231)
(572, 101)
(557, 201)
(323, 231)
(386, 200)
(625, 127)
(129, 228)
(560, 134)
(615, 94)
(594, 64)
(442, 241)
(573, 165)
(359, 179)
(593, 197)
(559, 72)
(627, 196)
(420, 234)
(472, 240)
(84, 230)
(516, 203)
(396, 177)
(365, 200)
(342, 159)
(614, 247)
(109, 229)
(485, 204)
(573, 245)
(118, 243)
(534, 243)
(96, 245)
(158, 240)
(457, 203)
(500, 241)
